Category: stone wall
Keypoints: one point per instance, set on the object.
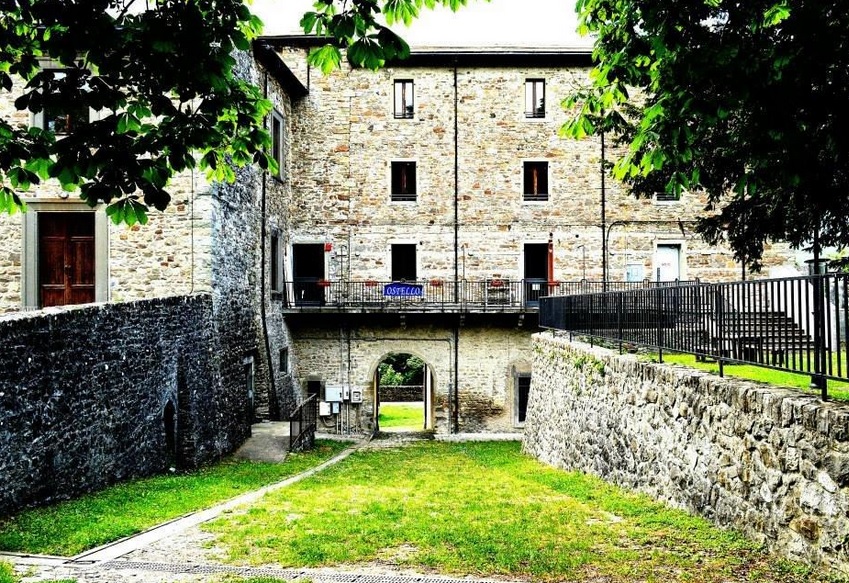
(771, 462)
(93, 395)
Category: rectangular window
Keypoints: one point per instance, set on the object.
(404, 105)
(523, 391)
(535, 98)
(64, 118)
(404, 262)
(278, 142)
(275, 281)
(536, 181)
(403, 181)
(666, 197)
(284, 360)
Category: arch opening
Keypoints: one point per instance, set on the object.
(404, 401)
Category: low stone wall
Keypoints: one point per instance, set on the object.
(401, 393)
(97, 394)
(771, 462)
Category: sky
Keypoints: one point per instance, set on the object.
(514, 23)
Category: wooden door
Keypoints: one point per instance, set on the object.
(65, 258)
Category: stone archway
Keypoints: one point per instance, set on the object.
(413, 405)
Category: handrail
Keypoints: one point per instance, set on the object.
(796, 324)
(302, 425)
(488, 294)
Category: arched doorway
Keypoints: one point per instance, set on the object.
(403, 389)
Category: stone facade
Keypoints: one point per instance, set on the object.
(93, 395)
(771, 462)
(469, 138)
(487, 360)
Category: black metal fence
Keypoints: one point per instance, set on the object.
(492, 294)
(793, 324)
(302, 424)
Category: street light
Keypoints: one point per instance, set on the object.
(583, 249)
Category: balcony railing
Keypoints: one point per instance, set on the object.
(485, 295)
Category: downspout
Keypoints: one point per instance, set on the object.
(273, 407)
(456, 196)
(456, 412)
(603, 220)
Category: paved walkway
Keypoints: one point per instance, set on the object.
(179, 550)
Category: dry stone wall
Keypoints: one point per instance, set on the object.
(771, 462)
(86, 391)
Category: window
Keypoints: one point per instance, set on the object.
(275, 279)
(404, 262)
(536, 181)
(404, 105)
(535, 98)
(666, 197)
(523, 391)
(284, 360)
(278, 142)
(64, 118)
(403, 181)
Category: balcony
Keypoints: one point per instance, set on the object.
(493, 295)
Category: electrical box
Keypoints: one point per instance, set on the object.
(346, 393)
(323, 408)
(356, 395)
(335, 408)
(333, 393)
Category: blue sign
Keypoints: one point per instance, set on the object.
(402, 290)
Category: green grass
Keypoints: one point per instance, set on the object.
(400, 416)
(71, 527)
(836, 389)
(485, 509)
(7, 575)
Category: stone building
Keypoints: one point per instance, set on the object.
(445, 174)
(422, 209)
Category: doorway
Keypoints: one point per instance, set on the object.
(307, 272)
(536, 272)
(65, 258)
(403, 394)
(668, 262)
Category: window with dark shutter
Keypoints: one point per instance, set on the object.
(403, 181)
(536, 181)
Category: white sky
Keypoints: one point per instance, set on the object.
(514, 23)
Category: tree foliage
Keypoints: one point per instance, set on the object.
(401, 369)
(160, 76)
(745, 101)
(362, 27)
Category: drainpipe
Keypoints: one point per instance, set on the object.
(603, 220)
(456, 412)
(456, 196)
(272, 393)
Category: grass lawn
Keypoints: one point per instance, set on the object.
(401, 416)
(7, 575)
(837, 390)
(485, 509)
(71, 527)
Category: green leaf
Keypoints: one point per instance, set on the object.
(327, 58)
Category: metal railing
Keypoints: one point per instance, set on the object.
(793, 324)
(302, 425)
(491, 294)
